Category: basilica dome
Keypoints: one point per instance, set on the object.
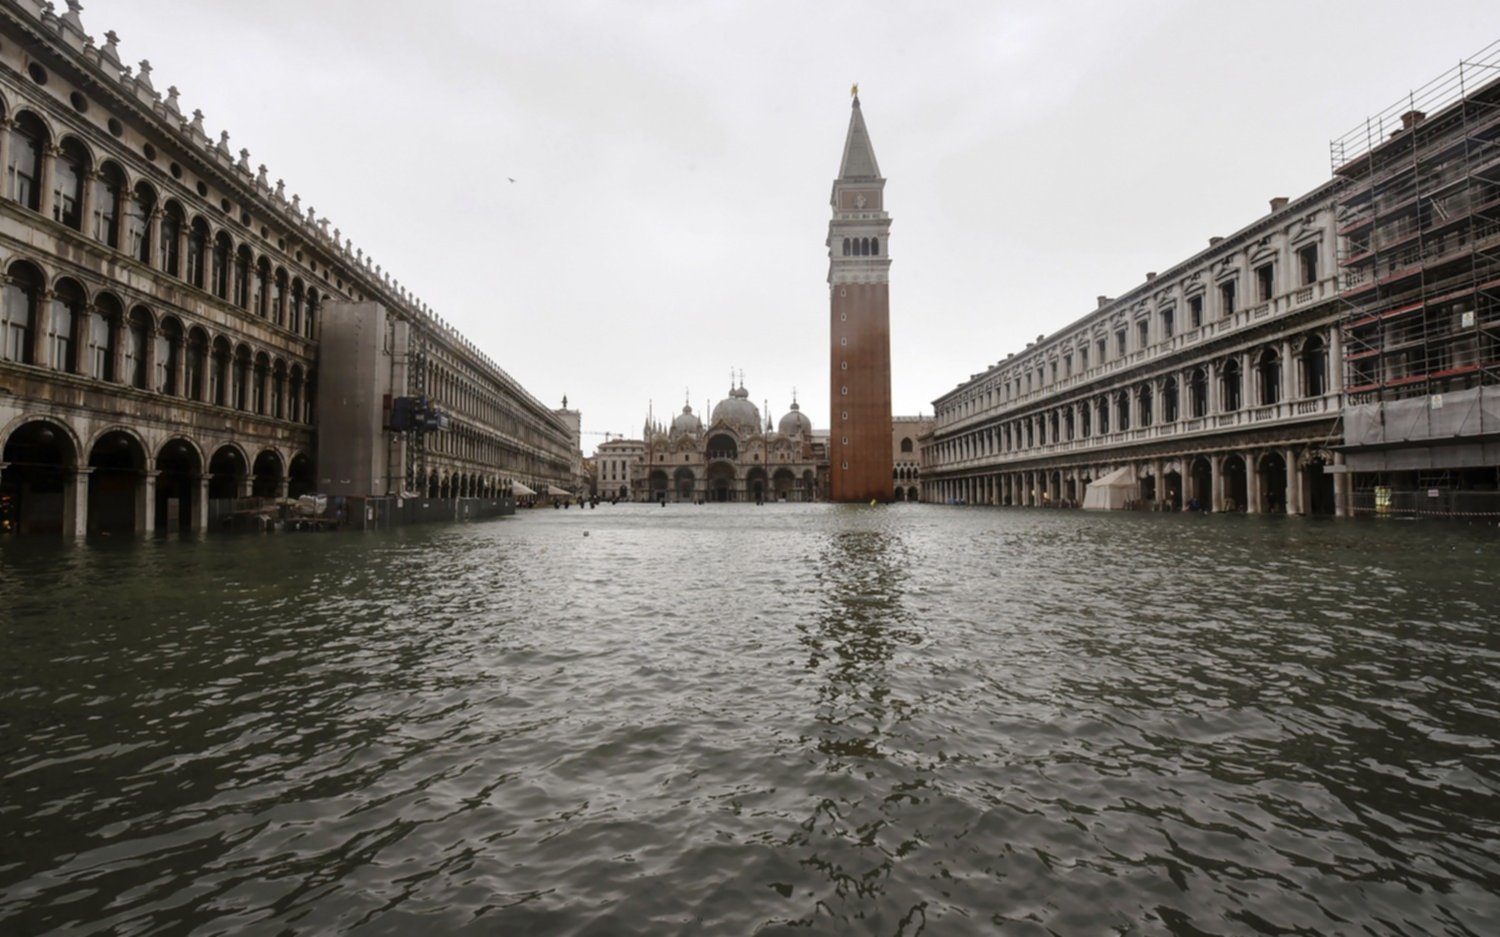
(685, 422)
(738, 412)
(795, 422)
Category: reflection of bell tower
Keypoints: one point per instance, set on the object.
(859, 439)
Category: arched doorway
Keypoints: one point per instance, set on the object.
(911, 494)
(1235, 489)
(1173, 485)
(1318, 496)
(755, 484)
(900, 493)
(267, 482)
(227, 471)
(658, 485)
(35, 494)
(684, 483)
(809, 485)
(299, 476)
(721, 482)
(117, 466)
(1201, 484)
(1273, 483)
(179, 469)
(784, 484)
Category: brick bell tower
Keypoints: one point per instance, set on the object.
(859, 265)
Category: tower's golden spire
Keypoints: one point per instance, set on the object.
(854, 90)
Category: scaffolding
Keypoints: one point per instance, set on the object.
(1419, 226)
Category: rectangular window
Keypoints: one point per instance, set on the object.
(1265, 282)
(1143, 334)
(1195, 311)
(1307, 259)
(1167, 331)
(1067, 365)
(1120, 345)
(1102, 349)
(1054, 372)
(1226, 299)
(1083, 358)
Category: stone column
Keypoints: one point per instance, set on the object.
(152, 236)
(43, 324)
(145, 503)
(244, 486)
(1252, 483)
(76, 503)
(179, 366)
(1215, 485)
(86, 204)
(6, 125)
(200, 503)
(1340, 489)
(1288, 372)
(120, 334)
(46, 172)
(1335, 369)
(1293, 483)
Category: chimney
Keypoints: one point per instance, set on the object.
(1150, 275)
(1279, 202)
(1411, 118)
(1214, 241)
(1105, 301)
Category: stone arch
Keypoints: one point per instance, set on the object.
(300, 477)
(37, 493)
(179, 465)
(30, 136)
(70, 176)
(267, 474)
(117, 475)
(229, 471)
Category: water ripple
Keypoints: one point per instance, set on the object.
(757, 720)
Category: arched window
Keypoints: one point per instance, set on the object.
(109, 189)
(294, 395)
(278, 389)
(258, 383)
(137, 334)
(101, 334)
(67, 309)
(23, 172)
(171, 232)
(278, 297)
(1229, 377)
(197, 248)
(1314, 367)
(242, 264)
(1198, 393)
(1143, 395)
(223, 253)
(874, 247)
(261, 287)
(1122, 410)
(295, 321)
(194, 365)
(846, 247)
(218, 373)
(240, 378)
(308, 320)
(68, 174)
(906, 444)
(1169, 400)
(1268, 368)
(168, 347)
(19, 313)
(138, 222)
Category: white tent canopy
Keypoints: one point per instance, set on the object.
(1110, 492)
(517, 488)
(557, 492)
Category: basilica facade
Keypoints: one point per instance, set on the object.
(734, 457)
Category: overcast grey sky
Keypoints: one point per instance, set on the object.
(673, 160)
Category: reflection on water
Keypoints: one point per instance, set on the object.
(727, 719)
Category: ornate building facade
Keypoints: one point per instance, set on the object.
(859, 264)
(734, 457)
(1214, 384)
(161, 314)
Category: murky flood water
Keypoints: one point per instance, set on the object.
(736, 720)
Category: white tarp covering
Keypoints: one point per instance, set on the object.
(1110, 492)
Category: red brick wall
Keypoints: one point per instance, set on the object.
(860, 329)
